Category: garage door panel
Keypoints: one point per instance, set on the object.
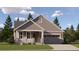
(49, 39)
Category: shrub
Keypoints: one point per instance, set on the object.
(11, 40)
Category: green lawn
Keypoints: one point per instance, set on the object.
(77, 45)
(24, 47)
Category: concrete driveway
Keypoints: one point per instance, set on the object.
(64, 47)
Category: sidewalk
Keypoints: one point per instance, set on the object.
(64, 47)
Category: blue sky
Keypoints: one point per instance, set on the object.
(66, 15)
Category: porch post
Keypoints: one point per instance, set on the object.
(26, 34)
(30, 35)
(61, 35)
(14, 34)
(17, 34)
(42, 37)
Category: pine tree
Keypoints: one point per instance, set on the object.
(8, 22)
(30, 16)
(18, 19)
(7, 28)
(77, 33)
(56, 22)
(78, 27)
(72, 28)
(72, 33)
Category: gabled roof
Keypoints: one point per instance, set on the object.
(29, 25)
(45, 24)
(18, 23)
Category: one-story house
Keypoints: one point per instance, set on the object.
(39, 30)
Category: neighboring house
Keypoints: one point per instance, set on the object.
(38, 30)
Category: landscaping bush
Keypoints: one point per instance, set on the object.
(66, 41)
(11, 40)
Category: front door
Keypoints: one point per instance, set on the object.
(36, 36)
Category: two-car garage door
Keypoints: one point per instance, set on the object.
(52, 39)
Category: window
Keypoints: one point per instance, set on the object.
(28, 34)
(24, 34)
(20, 34)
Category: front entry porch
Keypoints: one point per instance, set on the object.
(31, 37)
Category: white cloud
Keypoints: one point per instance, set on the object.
(18, 10)
(29, 8)
(32, 12)
(57, 13)
(1, 25)
(26, 8)
(69, 25)
(24, 12)
(20, 18)
(8, 10)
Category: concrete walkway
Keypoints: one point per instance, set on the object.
(64, 47)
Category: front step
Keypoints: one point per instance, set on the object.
(38, 43)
